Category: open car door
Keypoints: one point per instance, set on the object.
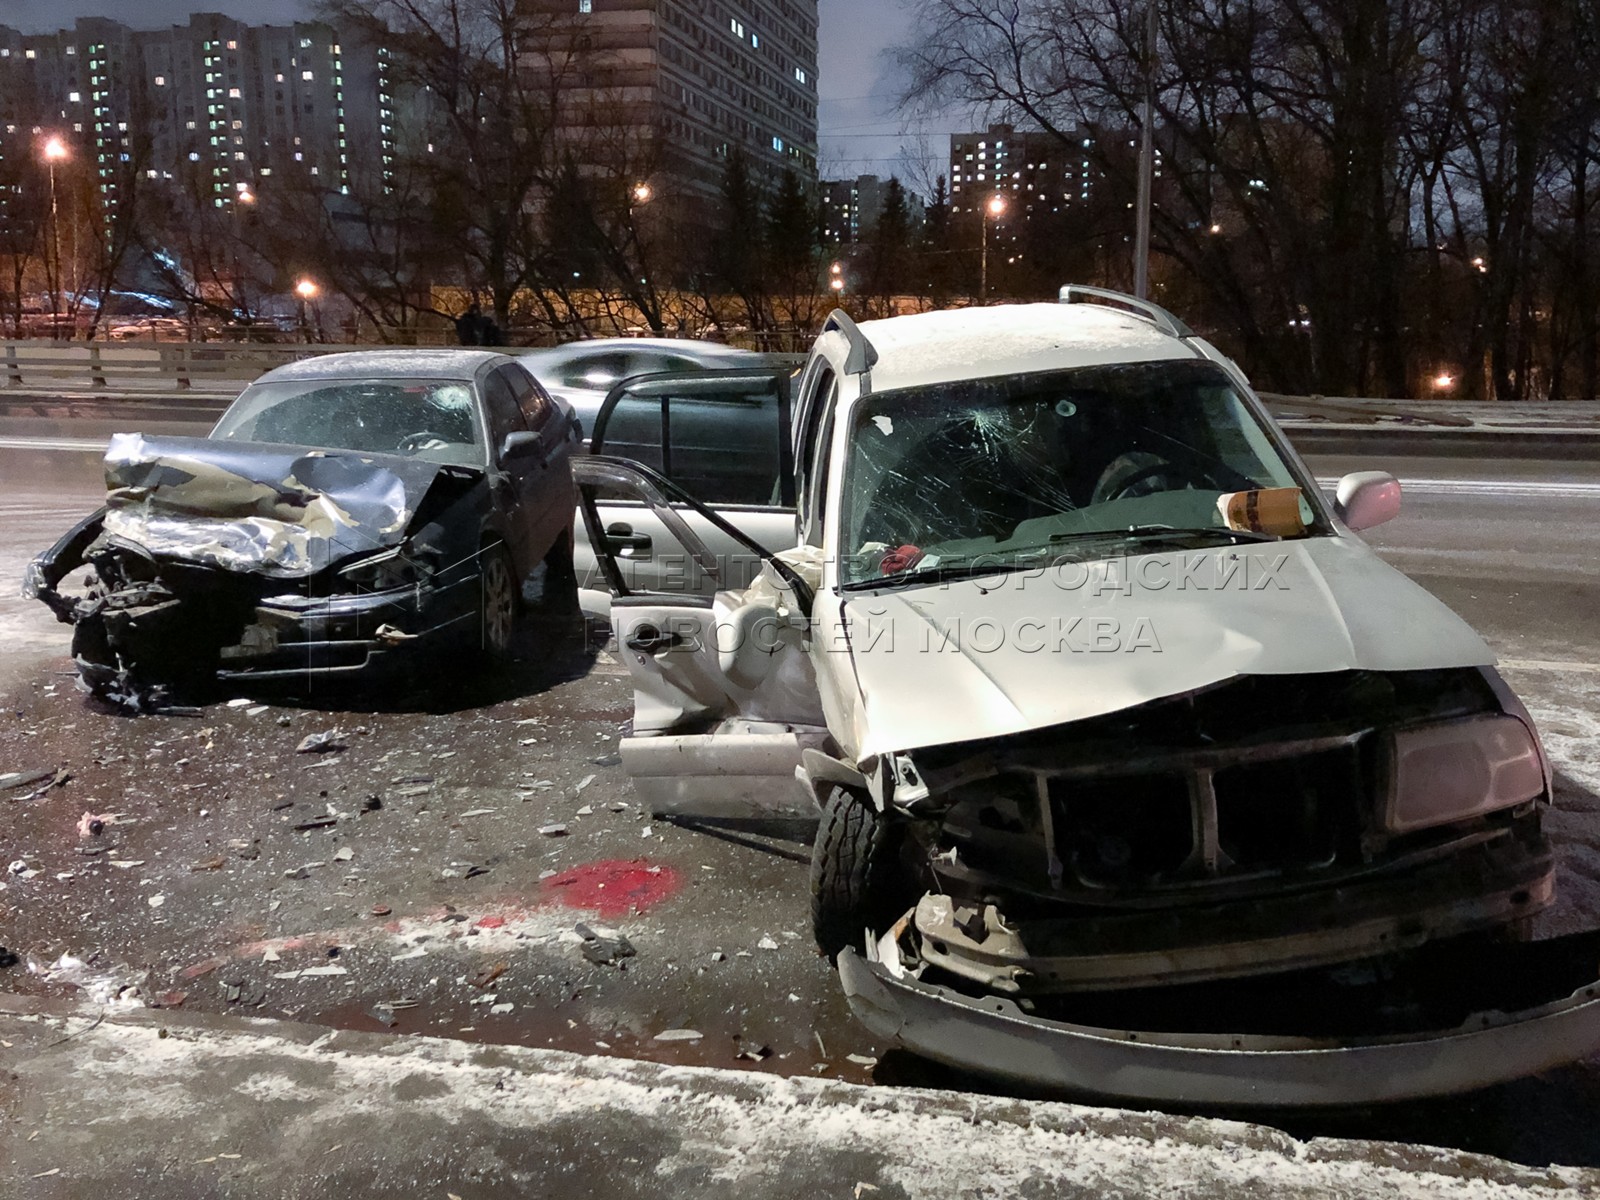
(725, 698)
(723, 437)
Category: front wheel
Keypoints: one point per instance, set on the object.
(857, 876)
(498, 602)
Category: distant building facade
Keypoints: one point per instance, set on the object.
(698, 81)
(851, 208)
(1036, 172)
(220, 104)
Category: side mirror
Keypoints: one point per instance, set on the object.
(519, 444)
(1365, 499)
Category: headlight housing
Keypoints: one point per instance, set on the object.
(386, 572)
(1456, 770)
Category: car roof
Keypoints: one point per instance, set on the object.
(1009, 339)
(397, 363)
(685, 346)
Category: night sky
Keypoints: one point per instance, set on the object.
(860, 133)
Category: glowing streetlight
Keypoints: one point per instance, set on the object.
(1444, 381)
(1216, 228)
(643, 193)
(247, 197)
(307, 290)
(837, 284)
(54, 151)
(994, 207)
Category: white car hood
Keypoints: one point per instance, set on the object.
(1001, 655)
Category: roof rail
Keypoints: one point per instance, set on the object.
(863, 356)
(1077, 293)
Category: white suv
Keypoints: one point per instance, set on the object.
(1138, 771)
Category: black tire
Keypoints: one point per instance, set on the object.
(499, 603)
(857, 876)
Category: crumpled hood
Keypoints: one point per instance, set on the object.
(1006, 654)
(282, 511)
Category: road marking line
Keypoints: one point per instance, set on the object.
(1539, 664)
(1489, 487)
(81, 444)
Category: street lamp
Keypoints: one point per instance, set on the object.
(995, 207)
(55, 150)
(643, 193)
(307, 290)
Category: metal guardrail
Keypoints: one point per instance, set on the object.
(152, 366)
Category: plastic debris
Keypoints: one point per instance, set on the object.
(603, 947)
(102, 985)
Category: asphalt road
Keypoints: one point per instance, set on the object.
(451, 898)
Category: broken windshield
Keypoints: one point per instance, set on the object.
(429, 419)
(1007, 469)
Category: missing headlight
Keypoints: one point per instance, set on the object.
(386, 572)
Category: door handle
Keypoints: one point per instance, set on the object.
(621, 539)
(647, 639)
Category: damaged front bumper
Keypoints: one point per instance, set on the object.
(347, 634)
(1532, 1006)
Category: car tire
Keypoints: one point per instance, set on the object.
(499, 602)
(857, 878)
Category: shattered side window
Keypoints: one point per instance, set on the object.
(1027, 465)
(434, 420)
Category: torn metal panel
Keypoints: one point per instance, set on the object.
(281, 511)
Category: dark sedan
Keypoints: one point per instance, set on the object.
(346, 510)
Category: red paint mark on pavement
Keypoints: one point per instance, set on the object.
(614, 887)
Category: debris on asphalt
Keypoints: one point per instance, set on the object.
(766, 943)
(239, 702)
(91, 825)
(501, 1009)
(379, 910)
(862, 1060)
(8, 959)
(607, 760)
(18, 779)
(478, 812)
(172, 999)
(326, 742)
(584, 782)
(603, 947)
(303, 871)
(343, 854)
(586, 811)
(372, 803)
(210, 864)
(487, 975)
(755, 1053)
(102, 985)
(156, 901)
(326, 821)
(306, 972)
(556, 830)
(679, 1035)
(204, 967)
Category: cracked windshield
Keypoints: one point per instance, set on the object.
(1002, 473)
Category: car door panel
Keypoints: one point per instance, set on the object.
(721, 719)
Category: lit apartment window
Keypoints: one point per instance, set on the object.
(29, 54)
(733, 23)
(800, 74)
(161, 81)
(75, 97)
(72, 50)
(308, 76)
(755, 41)
(194, 156)
(235, 94)
(233, 45)
(585, 6)
(777, 143)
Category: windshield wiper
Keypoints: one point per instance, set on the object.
(939, 574)
(1160, 533)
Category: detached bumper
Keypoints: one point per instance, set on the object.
(992, 1036)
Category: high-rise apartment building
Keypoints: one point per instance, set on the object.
(1036, 172)
(851, 207)
(696, 80)
(218, 104)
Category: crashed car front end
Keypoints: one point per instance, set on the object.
(247, 560)
(1290, 890)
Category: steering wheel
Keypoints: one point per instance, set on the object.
(416, 441)
(1122, 477)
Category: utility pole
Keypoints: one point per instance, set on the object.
(1147, 155)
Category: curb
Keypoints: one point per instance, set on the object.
(119, 1095)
